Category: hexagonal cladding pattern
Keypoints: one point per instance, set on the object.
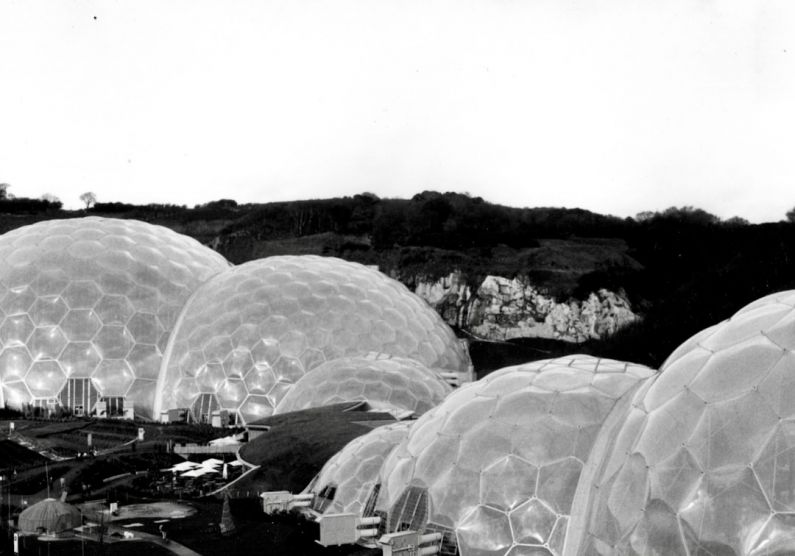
(86, 307)
(248, 335)
(496, 465)
(348, 482)
(393, 384)
(702, 459)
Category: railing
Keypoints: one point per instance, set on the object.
(228, 449)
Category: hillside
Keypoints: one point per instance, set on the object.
(681, 270)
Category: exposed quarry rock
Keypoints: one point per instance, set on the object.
(503, 308)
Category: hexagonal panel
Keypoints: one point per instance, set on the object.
(48, 311)
(724, 506)
(50, 282)
(114, 309)
(508, 482)
(79, 359)
(557, 483)
(266, 351)
(188, 389)
(113, 377)
(113, 341)
(80, 325)
(255, 408)
(145, 328)
(238, 363)
(16, 330)
(485, 531)
(81, 294)
(144, 299)
(14, 362)
(288, 369)
(231, 393)
(17, 300)
(45, 379)
(260, 380)
(720, 438)
(46, 342)
(210, 377)
(532, 522)
(85, 249)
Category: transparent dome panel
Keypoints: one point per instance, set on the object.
(501, 458)
(700, 461)
(293, 313)
(82, 291)
(354, 471)
(392, 384)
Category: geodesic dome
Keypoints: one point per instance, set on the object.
(87, 305)
(249, 334)
(702, 459)
(495, 466)
(51, 515)
(348, 483)
(392, 384)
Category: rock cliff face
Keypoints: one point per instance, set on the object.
(502, 308)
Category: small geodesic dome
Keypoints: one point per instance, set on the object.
(86, 308)
(701, 460)
(348, 482)
(392, 384)
(51, 516)
(495, 466)
(249, 334)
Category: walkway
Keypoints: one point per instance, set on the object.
(173, 546)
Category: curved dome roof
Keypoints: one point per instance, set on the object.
(495, 466)
(249, 334)
(701, 460)
(92, 298)
(51, 515)
(347, 483)
(392, 384)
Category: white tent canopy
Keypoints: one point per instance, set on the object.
(184, 466)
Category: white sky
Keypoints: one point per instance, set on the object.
(610, 105)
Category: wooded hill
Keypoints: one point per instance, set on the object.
(683, 269)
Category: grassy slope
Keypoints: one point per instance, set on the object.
(299, 443)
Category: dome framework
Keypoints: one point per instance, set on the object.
(248, 335)
(701, 460)
(392, 384)
(86, 309)
(348, 482)
(494, 468)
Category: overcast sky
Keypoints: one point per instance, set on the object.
(610, 105)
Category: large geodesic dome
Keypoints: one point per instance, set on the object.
(87, 306)
(392, 384)
(348, 483)
(702, 459)
(494, 468)
(249, 334)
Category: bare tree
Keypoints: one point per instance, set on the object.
(50, 198)
(89, 198)
(4, 191)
